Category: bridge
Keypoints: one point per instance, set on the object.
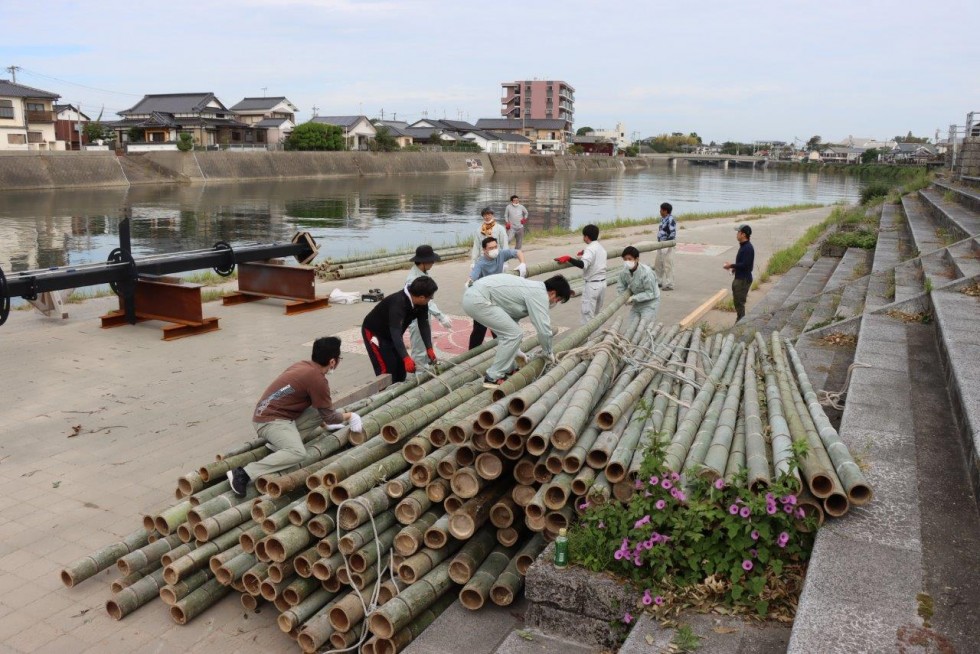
(721, 160)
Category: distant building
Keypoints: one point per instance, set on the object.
(160, 118)
(27, 118)
(617, 136)
(841, 154)
(398, 130)
(499, 142)
(547, 135)
(358, 130)
(913, 153)
(273, 118)
(540, 99)
(866, 143)
(598, 145)
(68, 126)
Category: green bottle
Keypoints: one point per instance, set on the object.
(561, 549)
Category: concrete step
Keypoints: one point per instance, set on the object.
(923, 227)
(855, 263)
(475, 632)
(853, 299)
(887, 254)
(908, 280)
(717, 634)
(824, 311)
(938, 268)
(868, 570)
(959, 345)
(957, 220)
(815, 279)
(881, 289)
(782, 289)
(968, 196)
(793, 326)
(966, 257)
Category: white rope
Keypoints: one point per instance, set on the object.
(369, 608)
(836, 399)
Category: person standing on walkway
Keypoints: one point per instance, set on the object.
(593, 265)
(499, 301)
(742, 269)
(491, 263)
(640, 280)
(515, 218)
(290, 409)
(425, 257)
(384, 326)
(665, 257)
(489, 227)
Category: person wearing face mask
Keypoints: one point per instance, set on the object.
(499, 301)
(593, 265)
(491, 262)
(425, 257)
(489, 227)
(641, 282)
(290, 410)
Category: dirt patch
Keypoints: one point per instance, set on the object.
(838, 339)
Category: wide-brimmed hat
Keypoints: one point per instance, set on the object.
(425, 254)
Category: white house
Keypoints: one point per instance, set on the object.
(273, 118)
(499, 142)
(358, 130)
(27, 118)
(617, 136)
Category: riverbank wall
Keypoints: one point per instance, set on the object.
(50, 170)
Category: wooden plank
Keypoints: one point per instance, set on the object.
(704, 308)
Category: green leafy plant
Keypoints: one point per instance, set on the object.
(685, 640)
(185, 142)
(316, 136)
(862, 238)
(681, 537)
(873, 190)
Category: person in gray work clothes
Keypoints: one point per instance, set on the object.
(515, 219)
(593, 265)
(291, 409)
(491, 263)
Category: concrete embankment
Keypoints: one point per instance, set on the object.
(34, 170)
(100, 169)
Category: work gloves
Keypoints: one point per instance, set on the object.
(409, 364)
(563, 258)
(522, 270)
(355, 423)
(446, 322)
(431, 354)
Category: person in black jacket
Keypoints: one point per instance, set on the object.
(742, 269)
(383, 327)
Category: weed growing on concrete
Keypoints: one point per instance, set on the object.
(726, 304)
(949, 196)
(927, 284)
(685, 640)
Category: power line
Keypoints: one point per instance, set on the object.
(84, 86)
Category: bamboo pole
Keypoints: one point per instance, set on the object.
(736, 456)
(253, 578)
(127, 581)
(427, 559)
(608, 441)
(304, 561)
(363, 481)
(166, 521)
(438, 490)
(755, 445)
(723, 398)
(780, 439)
(416, 449)
(235, 568)
(198, 601)
(472, 555)
(474, 594)
(411, 602)
(412, 506)
(437, 535)
(466, 483)
(571, 366)
(439, 431)
(147, 555)
(535, 412)
(328, 567)
(371, 552)
(850, 475)
(317, 629)
(356, 512)
(220, 503)
(358, 538)
(507, 585)
(300, 613)
(574, 458)
(660, 353)
(94, 563)
(400, 485)
(280, 518)
(322, 524)
(413, 629)
(329, 545)
(475, 511)
(200, 557)
(299, 590)
(498, 433)
(424, 471)
(529, 552)
(560, 519)
(134, 596)
(410, 538)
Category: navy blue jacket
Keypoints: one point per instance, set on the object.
(744, 261)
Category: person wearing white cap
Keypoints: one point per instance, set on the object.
(425, 257)
(742, 269)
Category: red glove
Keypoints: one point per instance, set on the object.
(563, 258)
(523, 221)
(507, 225)
(432, 354)
(580, 253)
(409, 364)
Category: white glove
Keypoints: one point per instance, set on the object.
(629, 300)
(445, 321)
(355, 423)
(523, 357)
(472, 265)
(335, 427)
(522, 270)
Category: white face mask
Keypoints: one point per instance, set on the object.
(630, 265)
(493, 253)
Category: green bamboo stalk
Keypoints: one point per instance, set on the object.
(280, 518)
(607, 442)
(426, 560)
(322, 524)
(363, 481)
(389, 619)
(356, 512)
(217, 470)
(147, 555)
(317, 629)
(328, 567)
(611, 253)
(719, 452)
(671, 418)
(220, 503)
(691, 375)
(782, 443)
(438, 432)
(437, 535)
(87, 566)
(300, 613)
(476, 591)
(850, 475)
(574, 458)
(475, 511)
(235, 568)
(529, 552)
(173, 594)
(210, 493)
(412, 506)
(600, 490)
(198, 601)
(130, 579)
(756, 459)
(200, 557)
(304, 561)
(659, 411)
(369, 553)
(438, 490)
(410, 538)
(227, 519)
(736, 456)
(557, 492)
(363, 535)
(612, 410)
(286, 542)
(132, 597)
(534, 412)
(543, 434)
(706, 431)
(299, 589)
(507, 585)
(166, 521)
(629, 447)
(677, 451)
(425, 470)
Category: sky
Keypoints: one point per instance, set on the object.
(741, 70)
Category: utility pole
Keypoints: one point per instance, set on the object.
(13, 72)
(264, 89)
(315, 108)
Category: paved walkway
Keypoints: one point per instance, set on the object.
(97, 425)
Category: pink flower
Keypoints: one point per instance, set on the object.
(638, 484)
(647, 494)
(637, 561)
(642, 521)
(647, 598)
(665, 484)
(771, 509)
(783, 538)
(746, 565)
(770, 498)
(654, 480)
(789, 499)
(661, 504)
(788, 509)
(800, 513)
(781, 545)
(754, 535)
(754, 553)
(601, 525)
(719, 483)
(654, 538)
(680, 496)
(618, 555)
(733, 509)
(658, 600)
(745, 512)
(627, 618)
(675, 476)
(583, 505)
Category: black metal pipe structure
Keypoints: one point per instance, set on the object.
(121, 270)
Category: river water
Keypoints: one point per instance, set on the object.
(41, 229)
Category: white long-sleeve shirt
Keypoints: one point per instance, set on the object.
(594, 258)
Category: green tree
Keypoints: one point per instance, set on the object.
(95, 130)
(870, 156)
(316, 136)
(813, 143)
(185, 142)
(583, 131)
(908, 138)
(694, 135)
(384, 141)
(135, 134)
(631, 151)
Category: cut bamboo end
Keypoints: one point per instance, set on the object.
(605, 420)
(489, 466)
(524, 426)
(502, 515)
(380, 626)
(339, 494)
(414, 452)
(452, 504)
(262, 485)
(318, 500)
(555, 521)
(286, 622)
(508, 536)
(461, 526)
(536, 444)
(496, 438)
(563, 438)
(501, 596)
(554, 464)
(457, 435)
(178, 615)
(524, 472)
(332, 584)
(113, 609)
(438, 437)
(523, 494)
(261, 552)
(184, 533)
(465, 456)
(835, 505)
(465, 483)
(859, 494)
(148, 523)
(435, 539)
(250, 602)
(471, 599)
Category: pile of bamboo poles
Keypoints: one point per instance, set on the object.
(364, 265)
(451, 490)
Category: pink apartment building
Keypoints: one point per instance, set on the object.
(539, 99)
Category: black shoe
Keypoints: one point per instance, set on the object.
(239, 480)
